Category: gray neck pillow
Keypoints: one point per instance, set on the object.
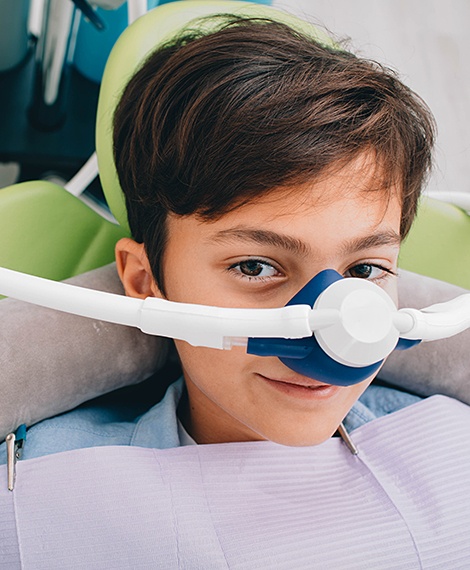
(51, 362)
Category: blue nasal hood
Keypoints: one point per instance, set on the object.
(305, 356)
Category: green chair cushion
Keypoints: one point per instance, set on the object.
(46, 231)
(439, 243)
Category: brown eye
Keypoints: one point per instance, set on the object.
(254, 269)
(369, 271)
(251, 267)
(362, 271)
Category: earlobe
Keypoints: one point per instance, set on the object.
(134, 269)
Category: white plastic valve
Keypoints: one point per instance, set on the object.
(366, 332)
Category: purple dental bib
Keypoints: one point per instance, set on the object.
(403, 502)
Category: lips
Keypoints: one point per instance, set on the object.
(301, 387)
(300, 382)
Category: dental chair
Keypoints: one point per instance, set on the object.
(48, 232)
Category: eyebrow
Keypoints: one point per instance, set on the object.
(386, 237)
(297, 246)
(263, 237)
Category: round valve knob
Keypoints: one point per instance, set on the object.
(365, 333)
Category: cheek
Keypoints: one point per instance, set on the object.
(212, 370)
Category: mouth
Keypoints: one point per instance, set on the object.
(304, 388)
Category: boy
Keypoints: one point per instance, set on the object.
(251, 159)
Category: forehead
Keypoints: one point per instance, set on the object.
(355, 194)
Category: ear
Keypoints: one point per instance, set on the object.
(134, 269)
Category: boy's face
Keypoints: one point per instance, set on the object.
(261, 255)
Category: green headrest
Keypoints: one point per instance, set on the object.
(137, 41)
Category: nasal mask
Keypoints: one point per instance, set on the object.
(335, 330)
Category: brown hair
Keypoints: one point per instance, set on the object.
(211, 121)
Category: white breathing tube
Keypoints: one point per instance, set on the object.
(439, 321)
(200, 325)
(354, 320)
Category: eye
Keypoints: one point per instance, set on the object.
(254, 269)
(370, 271)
